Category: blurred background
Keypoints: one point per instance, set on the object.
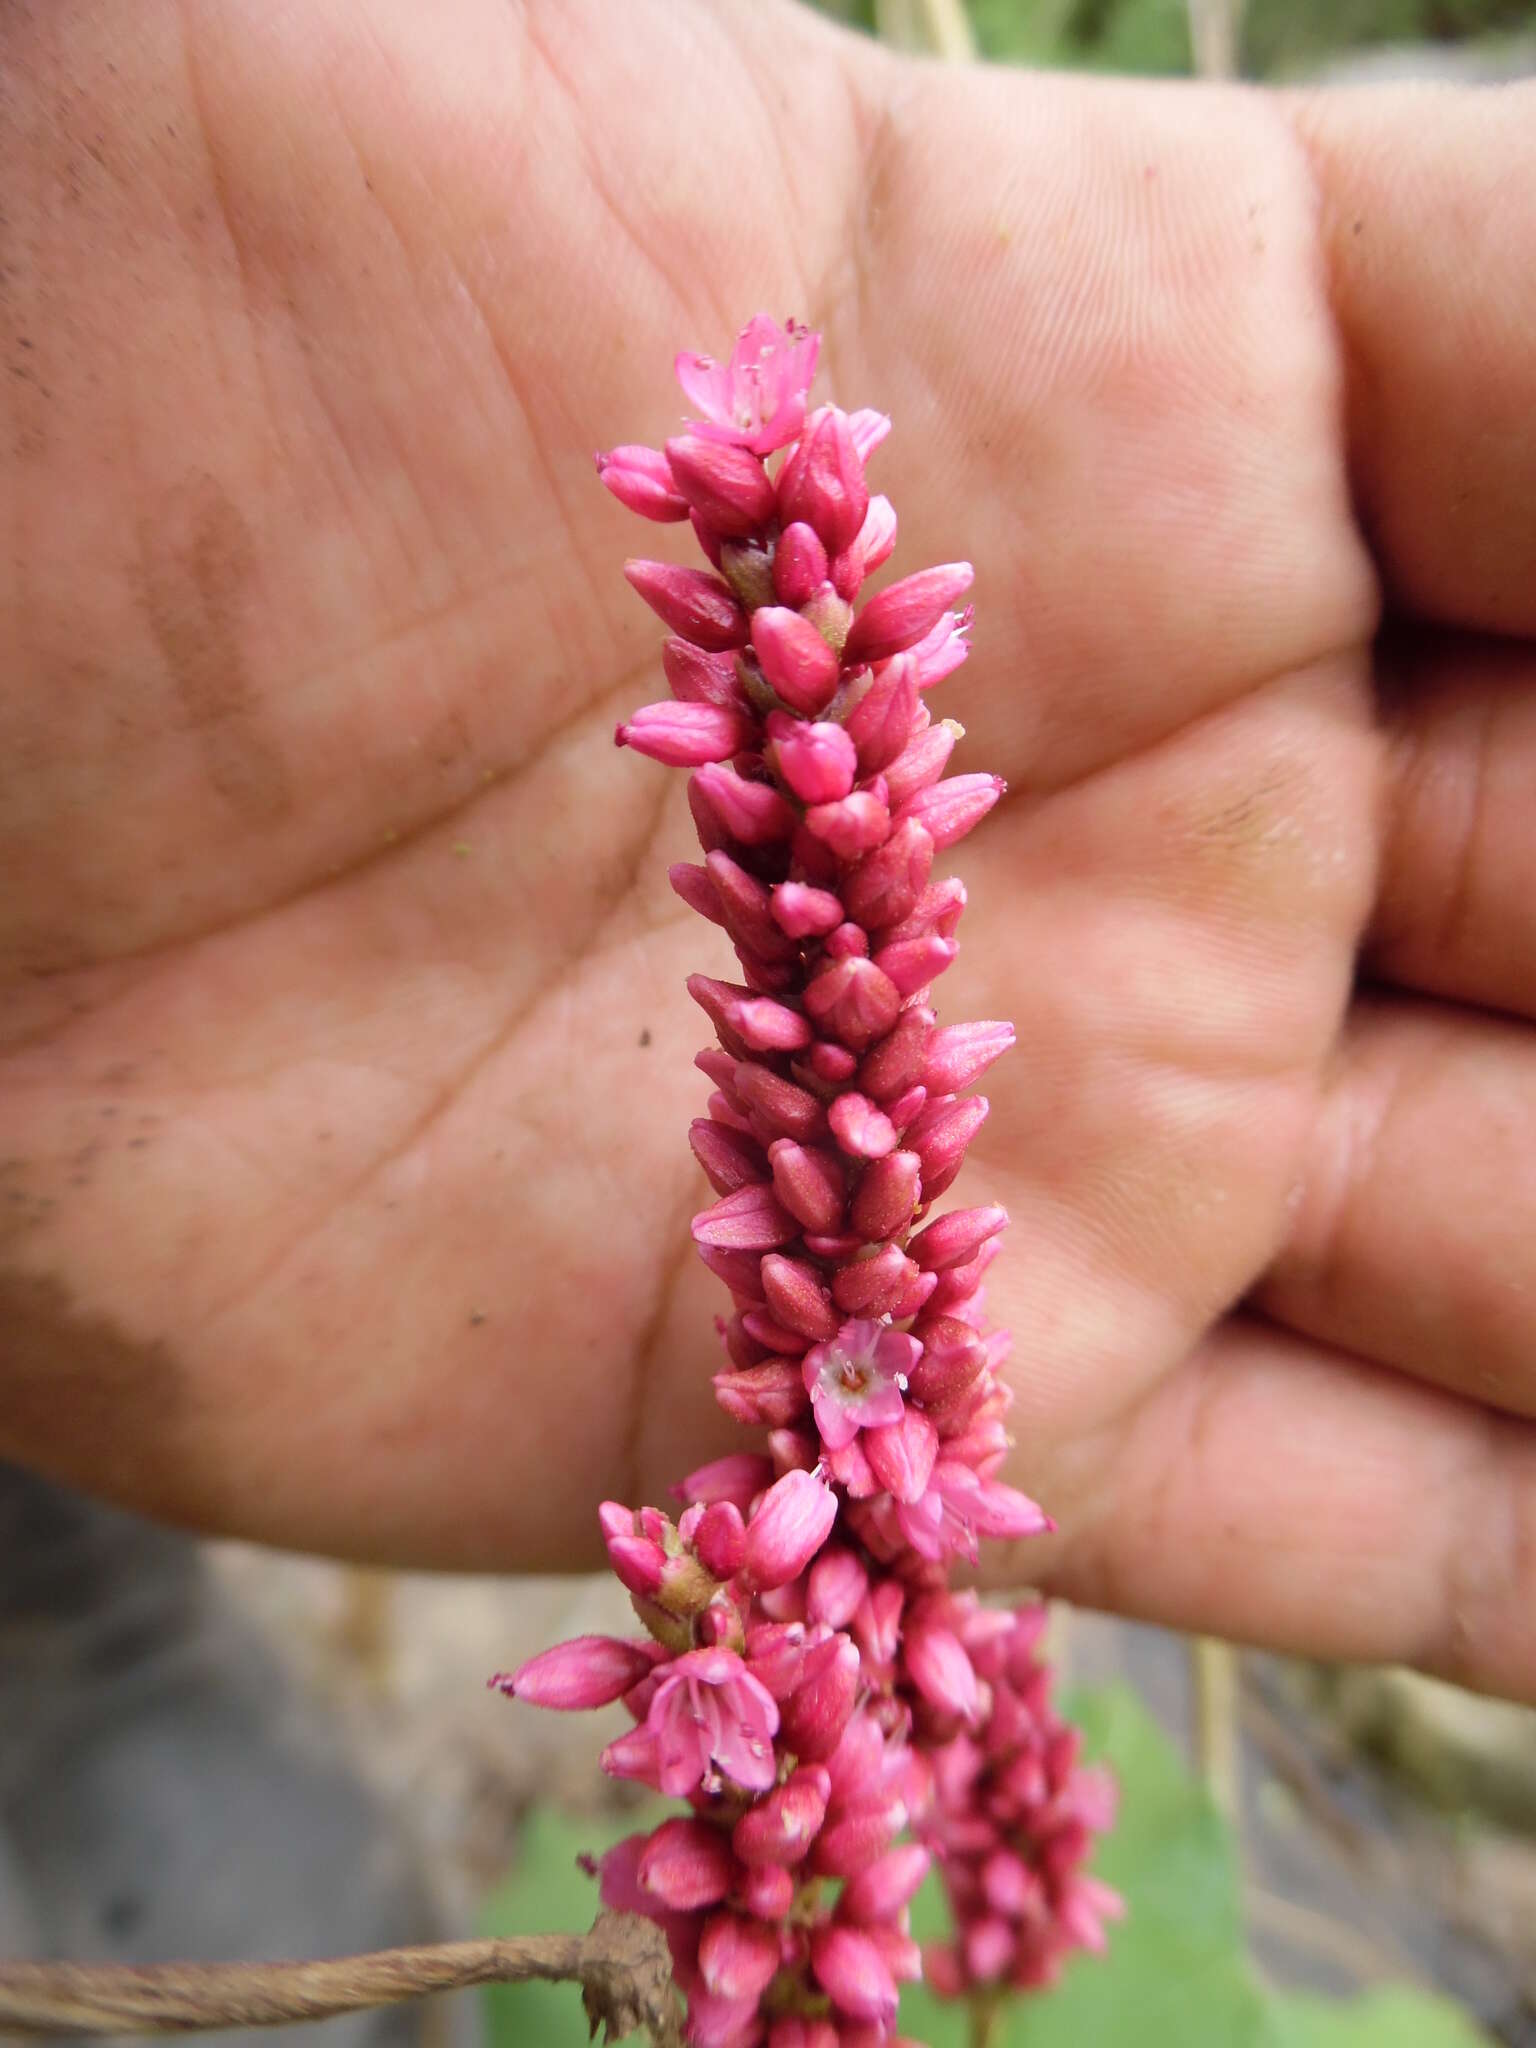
(212, 1751)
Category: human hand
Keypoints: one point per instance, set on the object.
(346, 1057)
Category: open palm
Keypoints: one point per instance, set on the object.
(346, 1057)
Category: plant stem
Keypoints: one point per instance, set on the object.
(622, 1966)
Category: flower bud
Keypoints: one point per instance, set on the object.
(780, 1828)
(961, 1053)
(766, 1396)
(913, 963)
(852, 1972)
(804, 912)
(795, 658)
(902, 1454)
(838, 1583)
(852, 825)
(949, 809)
(940, 1136)
(738, 1957)
(751, 1220)
(729, 1159)
(861, 1128)
(822, 483)
(941, 1671)
(814, 1716)
(692, 602)
(798, 1299)
(695, 677)
(778, 1107)
(853, 1001)
(881, 723)
(903, 612)
(589, 1671)
(817, 761)
(886, 1196)
(873, 1286)
(749, 811)
(792, 1521)
(956, 1238)
(686, 1865)
(684, 735)
(725, 484)
(889, 880)
(641, 480)
(897, 1061)
(720, 1541)
(738, 1477)
(799, 564)
(809, 1183)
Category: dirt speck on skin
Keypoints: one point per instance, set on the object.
(645, 1037)
(199, 563)
(62, 1359)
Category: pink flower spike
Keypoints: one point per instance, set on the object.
(692, 602)
(751, 1220)
(852, 1972)
(903, 613)
(684, 735)
(862, 1129)
(822, 482)
(792, 1521)
(817, 761)
(710, 1714)
(855, 1381)
(589, 1671)
(758, 397)
(724, 483)
(804, 913)
(640, 479)
(950, 809)
(961, 1054)
(799, 564)
(686, 1865)
(795, 658)
(956, 1238)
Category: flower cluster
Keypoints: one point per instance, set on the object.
(807, 1681)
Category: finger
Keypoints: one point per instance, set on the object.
(1429, 221)
(1097, 317)
(1456, 914)
(1281, 1494)
(1413, 1239)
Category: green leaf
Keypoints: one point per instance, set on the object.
(1390, 2018)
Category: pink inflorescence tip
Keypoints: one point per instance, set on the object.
(836, 1717)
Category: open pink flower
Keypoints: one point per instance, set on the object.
(856, 1380)
(709, 1715)
(758, 397)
